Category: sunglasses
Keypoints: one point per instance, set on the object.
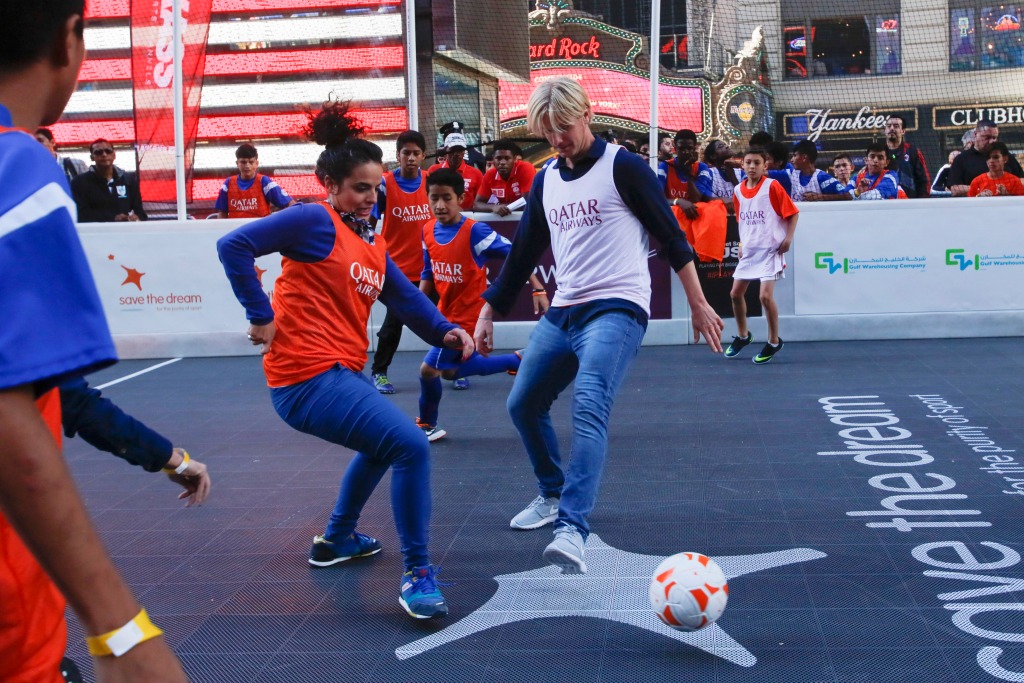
(103, 150)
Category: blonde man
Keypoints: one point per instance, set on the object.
(596, 205)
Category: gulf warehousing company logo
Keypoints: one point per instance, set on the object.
(827, 260)
(164, 302)
(964, 261)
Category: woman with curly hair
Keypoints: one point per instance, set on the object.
(314, 343)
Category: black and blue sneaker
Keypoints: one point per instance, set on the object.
(325, 553)
(737, 345)
(420, 597)
(460, 384)
(768, 352)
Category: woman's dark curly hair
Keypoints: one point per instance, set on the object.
(334, 127)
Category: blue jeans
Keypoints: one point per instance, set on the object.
(597, 355)
(343, 407)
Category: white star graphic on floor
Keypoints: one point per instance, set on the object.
(615, 587)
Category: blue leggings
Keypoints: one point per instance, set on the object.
(343, 407)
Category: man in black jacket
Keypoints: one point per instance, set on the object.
(973, 162)
(906, 160)
(105, 193)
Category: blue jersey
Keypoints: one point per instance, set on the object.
(274, 193)
(486, 244)
(885, 187)
(796, 184)
(53, 326)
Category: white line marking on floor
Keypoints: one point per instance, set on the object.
(136, 374)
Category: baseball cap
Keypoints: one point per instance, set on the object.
(455, 140)
(451, 127)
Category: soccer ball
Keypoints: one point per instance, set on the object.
(688, 591)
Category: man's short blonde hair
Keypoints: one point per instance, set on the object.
(556, 104)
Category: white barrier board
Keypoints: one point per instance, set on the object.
(922, 256)
(164, 277)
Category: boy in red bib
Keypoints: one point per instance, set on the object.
(455, 251)
(767, 220)
(401, 212)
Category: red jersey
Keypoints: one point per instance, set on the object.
(1014, 187)
(676, 187)
(507, 191)
(472, 177)
(403, 225)
(33, 633)
(251, 203)
(458, 279)
(321, 309)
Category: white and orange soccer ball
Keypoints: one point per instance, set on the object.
(688, 591)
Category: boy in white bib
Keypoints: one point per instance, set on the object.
(767, 220)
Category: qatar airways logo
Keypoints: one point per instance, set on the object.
(408, 214)
(163, 70)
(447, 272)
(575, 215)
(752, 217)
(368, 281)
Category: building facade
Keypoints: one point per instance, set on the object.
(839, 69)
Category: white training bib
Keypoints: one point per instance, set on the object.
(600, 247)
(761, 232)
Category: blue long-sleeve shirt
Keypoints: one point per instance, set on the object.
(305, 233)
(640, 190)
(84, 412)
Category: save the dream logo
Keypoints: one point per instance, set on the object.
(828, 260)
(144, 300)
(960, 259)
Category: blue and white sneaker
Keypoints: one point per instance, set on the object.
(420, 597)
(325, 553)
(382, 383)
(460, 384)
(566, 551)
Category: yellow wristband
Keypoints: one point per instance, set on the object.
(121, 640)
(182, 466)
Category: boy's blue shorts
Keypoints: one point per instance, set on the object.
(444, 358)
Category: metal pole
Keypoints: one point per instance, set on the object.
(655, 67)
(411, 77)
(179, 114)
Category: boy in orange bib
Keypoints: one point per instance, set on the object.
(455, 251)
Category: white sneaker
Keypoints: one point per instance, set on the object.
(566, 551)
(540, 512)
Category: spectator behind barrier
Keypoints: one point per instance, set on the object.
(72, 167)
(842, 170)
(454, 158)
(874, 181)
(906, 160)
(996, 182)
(250, 194)
(666, 147)
(510, 179)
(804, 182)
(974, 162)
(105, 193)
(724, 177)
(940, 185)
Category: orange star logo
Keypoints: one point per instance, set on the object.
(133, 276)
(259, 273)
